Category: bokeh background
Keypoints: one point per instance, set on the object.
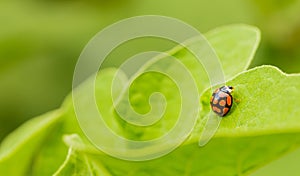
(40, 41)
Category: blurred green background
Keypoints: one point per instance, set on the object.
(40, 41)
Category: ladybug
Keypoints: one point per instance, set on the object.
(221, 100)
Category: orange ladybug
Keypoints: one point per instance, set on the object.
(221, 100)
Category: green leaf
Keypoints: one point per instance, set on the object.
(77, 163)
(234, 44)
(249, 137)
(19, 149)
(51, 152)
(266, 102)
(83, 156)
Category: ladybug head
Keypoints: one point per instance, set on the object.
(227, 89)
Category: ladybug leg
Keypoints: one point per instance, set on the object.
(236, 100)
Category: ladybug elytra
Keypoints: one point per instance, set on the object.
(221, 100)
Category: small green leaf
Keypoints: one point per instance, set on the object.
(235, 45)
